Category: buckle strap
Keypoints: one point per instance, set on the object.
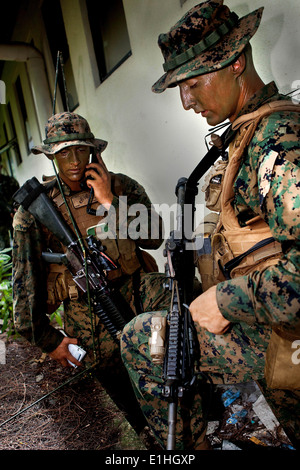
(207, 42)
(228, 267)
(64, 138)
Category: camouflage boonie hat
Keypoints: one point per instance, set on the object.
(64, 130)
(207, 38)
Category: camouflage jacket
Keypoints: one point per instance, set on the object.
(269, 186)
(30, 306)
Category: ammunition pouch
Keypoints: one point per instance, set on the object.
(60, 284)
(213, 185)
(239, 252)
(253, 249)
(203, 256)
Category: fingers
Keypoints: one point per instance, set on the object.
(100, 167)
(100, 160)
(204, 310)
(98, 172)
(62, 354)
(101, 182)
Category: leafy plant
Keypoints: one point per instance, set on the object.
(6, 303)
(57, 316)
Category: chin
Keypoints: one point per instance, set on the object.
(213, 120)
(76, 178)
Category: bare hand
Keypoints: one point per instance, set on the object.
(101, 182)
(62, 354)
(204, 310)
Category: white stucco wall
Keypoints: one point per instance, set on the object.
(151, 138)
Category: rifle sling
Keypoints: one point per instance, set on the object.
(209, 159)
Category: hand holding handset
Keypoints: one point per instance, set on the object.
(93, 159)
(77, 352)
(84, 186)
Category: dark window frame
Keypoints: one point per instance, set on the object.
(98, 40)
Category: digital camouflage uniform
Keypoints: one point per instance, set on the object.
(38, 288)
(267, 184)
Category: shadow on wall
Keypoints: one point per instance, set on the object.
(2, 92)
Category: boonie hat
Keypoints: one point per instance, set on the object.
(207, 38)
(64, 130)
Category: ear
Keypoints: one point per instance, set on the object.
(239, 65)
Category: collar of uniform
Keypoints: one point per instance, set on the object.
(267, 93)
(66, 189)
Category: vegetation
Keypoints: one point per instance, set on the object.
(6, 304)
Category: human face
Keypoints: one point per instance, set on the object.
(213, 95)
(71, 162)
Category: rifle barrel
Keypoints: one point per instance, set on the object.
(172, 418)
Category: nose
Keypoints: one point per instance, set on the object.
(74, 157)
(187, 100)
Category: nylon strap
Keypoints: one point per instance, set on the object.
(203, 45)
(65, 138)
(228, 267)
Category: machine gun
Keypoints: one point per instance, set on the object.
(85, 259)
(182, 351)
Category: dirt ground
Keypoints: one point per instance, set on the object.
(78, 416)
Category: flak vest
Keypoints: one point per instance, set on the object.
(124, 252)
(236, 250)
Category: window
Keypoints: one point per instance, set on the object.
(12, 142)
(24, 116)
(56, 34)
(110, 36)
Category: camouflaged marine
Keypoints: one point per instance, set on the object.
(247, 294)
(39, 288)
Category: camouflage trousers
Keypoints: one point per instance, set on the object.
(80, 323)
(235, 357)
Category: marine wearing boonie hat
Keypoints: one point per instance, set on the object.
(64, 130)
(207, 38)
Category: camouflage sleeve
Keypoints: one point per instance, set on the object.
(137, 216)
(273, 295)
(30, 284)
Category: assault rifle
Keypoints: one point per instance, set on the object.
(85, 259)
(182, 350)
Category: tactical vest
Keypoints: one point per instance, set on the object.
(236, 250)
(60, 284)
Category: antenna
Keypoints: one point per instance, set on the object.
(60, 61)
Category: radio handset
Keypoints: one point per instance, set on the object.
(84, 187)
(93, 159)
